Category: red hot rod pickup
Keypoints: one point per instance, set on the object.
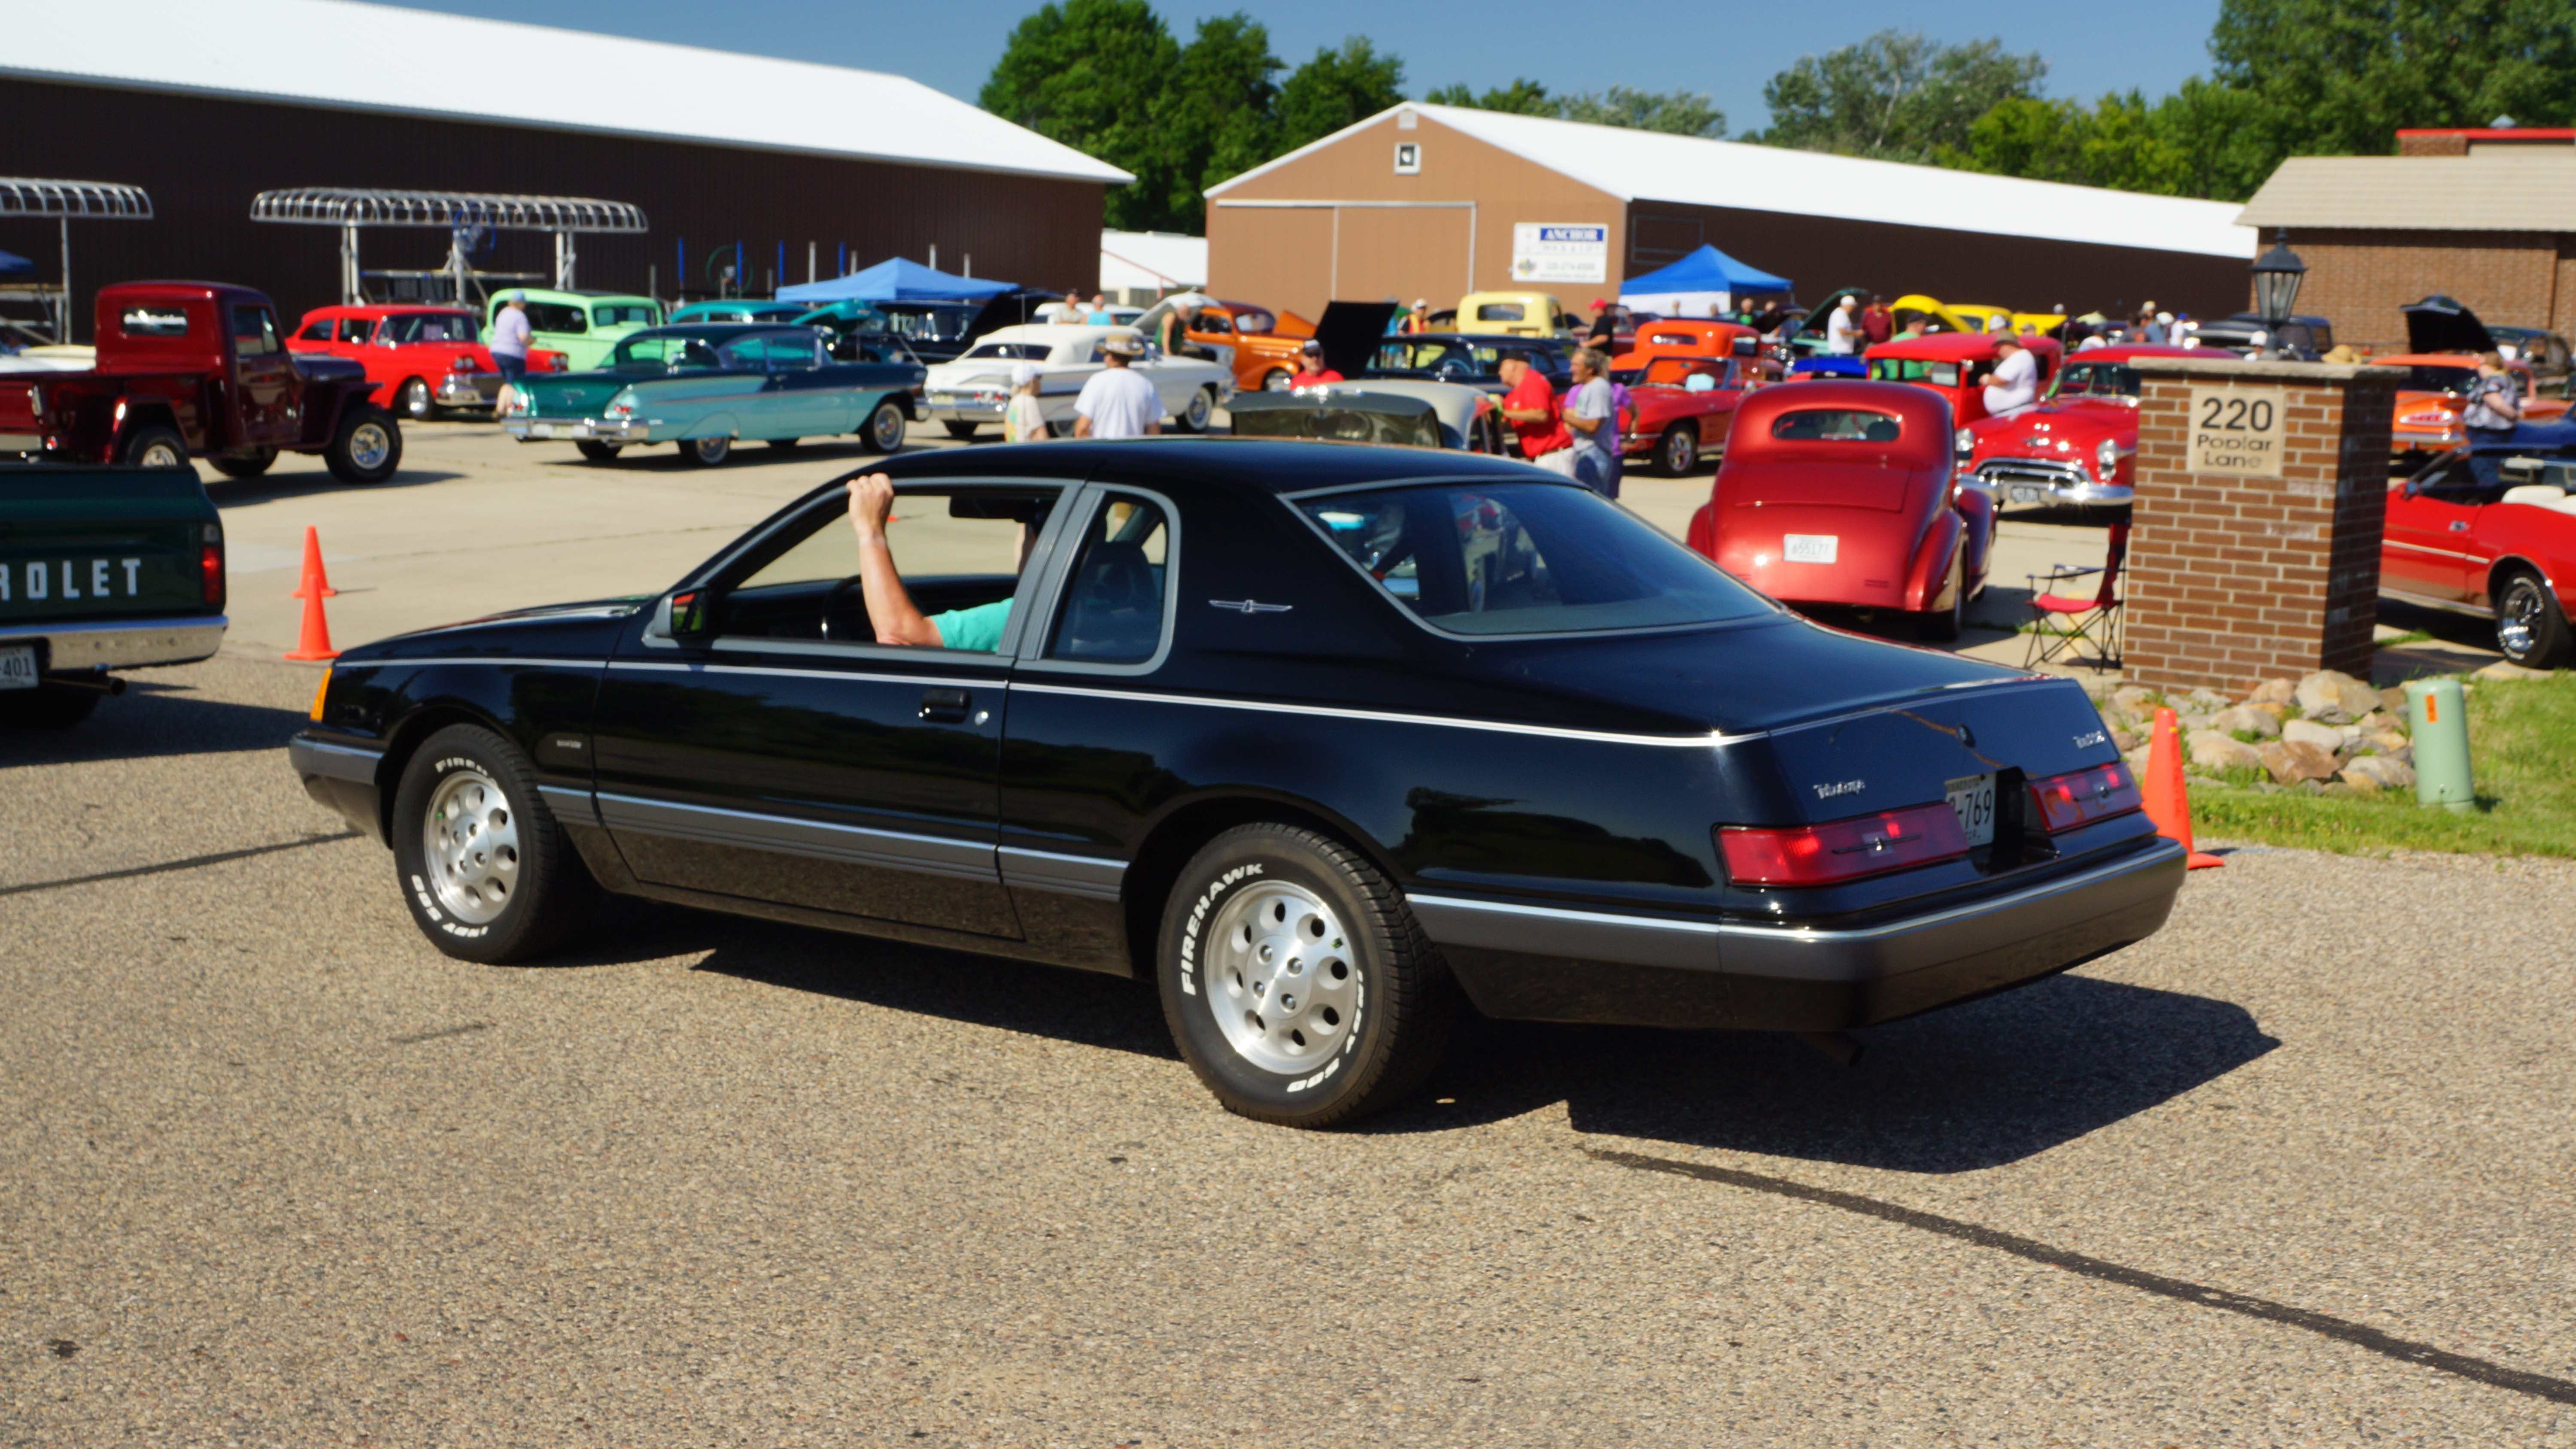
(199, 369)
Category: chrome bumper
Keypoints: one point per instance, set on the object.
(120, 643)
(578, 430)
(469, 390)
(2041, 481)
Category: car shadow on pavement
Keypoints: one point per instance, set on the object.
(1976, 1086)
(150, 720)
(270, 487)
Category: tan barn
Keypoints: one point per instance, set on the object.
(1435, 201)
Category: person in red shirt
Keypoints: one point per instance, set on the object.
(1876, 322)
(1310, 366)
(1531, 408)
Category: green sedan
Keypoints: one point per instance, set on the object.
(583, 326)
(708, 387)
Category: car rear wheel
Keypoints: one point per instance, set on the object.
(1677, 451)
(367, 449)
(885, 427)
(154, 448)
(483, 863)
(2530, 629)
(1194, 418)
(1295, 980)
(597, 451)
(1941, 626)
(1277, 379)
(413, 400)
(957, 429)
(248, 464)
(705, 452)
(47, 707)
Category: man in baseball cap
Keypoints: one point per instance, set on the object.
(1311, 370)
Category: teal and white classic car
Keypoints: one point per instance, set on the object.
(708, 387)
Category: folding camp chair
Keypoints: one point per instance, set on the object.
(2064, 621)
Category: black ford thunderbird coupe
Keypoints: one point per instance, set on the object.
(1328, 739)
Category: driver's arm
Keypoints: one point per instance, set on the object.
(890, 606)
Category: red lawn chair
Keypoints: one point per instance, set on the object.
(2064, 620)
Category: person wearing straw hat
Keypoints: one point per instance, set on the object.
(1116, 402)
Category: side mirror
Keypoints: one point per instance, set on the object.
(681, 618)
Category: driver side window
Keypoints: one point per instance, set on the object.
(955, 550)
(1115, 595)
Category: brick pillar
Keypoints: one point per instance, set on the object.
(2254, 550)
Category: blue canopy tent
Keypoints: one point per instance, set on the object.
(894, 280)
(1704, 284)
(14, 265)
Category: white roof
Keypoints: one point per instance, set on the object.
(1155, 259)
(1659, 166)
(351, 56)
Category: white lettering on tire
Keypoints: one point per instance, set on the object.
(1198, 917)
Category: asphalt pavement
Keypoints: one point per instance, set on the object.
(2294, 1171)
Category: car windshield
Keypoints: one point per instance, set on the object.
(428, 327)
(1010, 351)
(2098, 379)
(1525, 558)
(930, 324)
(2423, 377)
(663, 352)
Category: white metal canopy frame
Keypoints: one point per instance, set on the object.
(63, 202)
(461, 213)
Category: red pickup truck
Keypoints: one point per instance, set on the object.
(199, 369)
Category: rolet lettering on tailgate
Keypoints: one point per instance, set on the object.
(94, 578)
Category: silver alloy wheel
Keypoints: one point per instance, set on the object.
(1281, 982)
(2520, 617)
(470, 841)
(1681, 450)
(1277, 379)
(885, 427)
(1202, 404)
(415, 398)
(369, 446)
(160, 453)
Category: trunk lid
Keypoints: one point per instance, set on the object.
(103, 544)
(1871, 483)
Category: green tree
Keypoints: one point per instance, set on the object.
(1089, 73)
(1219, 117)
(1521, 97)
(1898, 95)
(1337, 88)
(2339, 77)
(1684, 113)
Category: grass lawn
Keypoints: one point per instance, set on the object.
(2522, 750)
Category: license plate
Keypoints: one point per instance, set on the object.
(18, 666)
(1810, 547)
(1972, 799)
(2025, 495)
(541, 430)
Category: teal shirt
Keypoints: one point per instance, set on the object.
(978, 628)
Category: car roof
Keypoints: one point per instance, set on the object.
(1925, 416)
(1948, 346)
(1177, 464)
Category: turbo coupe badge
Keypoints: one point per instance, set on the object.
(1845, 787)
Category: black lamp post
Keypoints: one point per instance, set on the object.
(2277, 274)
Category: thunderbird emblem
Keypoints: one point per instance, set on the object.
(1247, 606)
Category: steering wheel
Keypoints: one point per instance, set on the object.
(832, 605)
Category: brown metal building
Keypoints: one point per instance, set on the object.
(2486, 216)
(1431, 201)
(204, 106)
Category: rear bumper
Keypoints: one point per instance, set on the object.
(1554, 964)
(119, 643)
(342, 777)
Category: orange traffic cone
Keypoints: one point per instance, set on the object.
(313, 577)
(2168, 798)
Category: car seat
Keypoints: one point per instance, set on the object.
(1116, 608)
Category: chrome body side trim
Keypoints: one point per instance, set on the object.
(310, 756)
(854, 844)
(2426, 601)
(572, 806)
(1091, 876)
(120, 643)
(1331, 712)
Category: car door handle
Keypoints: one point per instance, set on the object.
(945, 706)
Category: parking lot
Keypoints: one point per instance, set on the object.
(2292, 1171)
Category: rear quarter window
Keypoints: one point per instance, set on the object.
(154, 322)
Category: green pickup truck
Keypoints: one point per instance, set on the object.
(101, 569)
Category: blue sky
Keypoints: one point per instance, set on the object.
(1725, 48)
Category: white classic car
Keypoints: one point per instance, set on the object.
(971, 392)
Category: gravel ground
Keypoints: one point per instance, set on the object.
(279, 1174)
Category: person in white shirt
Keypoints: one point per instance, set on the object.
(2014, 384)
(1841, 327)
(1117, 402)
(509, 348)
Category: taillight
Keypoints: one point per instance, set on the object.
(2081, 797)
(210, 567)
(1841, 850)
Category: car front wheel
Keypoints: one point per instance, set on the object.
(1277, 379)
(483, 864)
(1677, 451)
(1295, 980)
(367, 449)
(413, 399)
(2530, 629)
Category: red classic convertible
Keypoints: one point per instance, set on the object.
(2074, 448)
(422, 359)
(1840, 493)
(2490, 530)
(1681, 407)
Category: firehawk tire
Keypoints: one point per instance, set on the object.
(483, 864)
(368, 447)
(1296, 982)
